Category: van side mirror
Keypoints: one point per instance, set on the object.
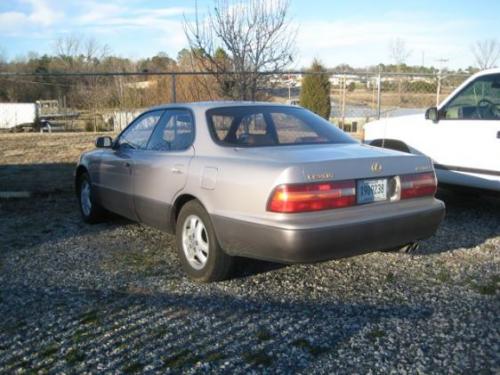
(103, 142)
(432, 114)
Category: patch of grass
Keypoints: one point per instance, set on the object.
(488, 287)
(121, 345)
(90, 317)
(375, 334)
(133, 368)
(147, 264)
(214, 357)
(263, 334)
(78, 336)
(160, 332)
(313, 350)
(443, 276)
(181, 359)
(390, 277)
(259, 358)
(14, 327)
(50, 350)
(74, 356)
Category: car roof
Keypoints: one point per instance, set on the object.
(219, 103)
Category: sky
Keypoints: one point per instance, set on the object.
(355, 32)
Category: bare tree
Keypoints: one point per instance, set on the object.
(486, 53)
(237, 41)
(399, 54)
(93, 50)
(398, 51)
(67, 48)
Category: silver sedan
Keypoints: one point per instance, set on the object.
(257, 180)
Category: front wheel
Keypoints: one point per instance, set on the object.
(201, 256)
(91, 211)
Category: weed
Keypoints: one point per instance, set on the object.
(89, 317)
(488, 287)
(263, 334)
(443, 276)
(74, 356)
(50, 350)
(259, 358)
(376, 333)
(390, 277)
(180, 359)
(304, 344)
(133, 368)
(214, 357)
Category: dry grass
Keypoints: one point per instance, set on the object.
(38, 148)
(41, 163)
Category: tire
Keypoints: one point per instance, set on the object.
(91, 211)
(200, 253)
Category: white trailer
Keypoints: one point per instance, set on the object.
(16, 114)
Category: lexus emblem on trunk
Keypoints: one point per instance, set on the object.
(376, 167)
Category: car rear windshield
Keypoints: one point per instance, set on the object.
(257, 126)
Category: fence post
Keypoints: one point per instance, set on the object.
(174, 94)
(379, 91)
(438, 90)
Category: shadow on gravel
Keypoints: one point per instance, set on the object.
(37, 178)
(103, 330)
(472, 217)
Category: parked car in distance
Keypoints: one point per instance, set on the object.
(462, 135)
(257, 180)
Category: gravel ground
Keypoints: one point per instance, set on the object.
(111, 298)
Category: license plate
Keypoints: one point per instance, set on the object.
(372, 190)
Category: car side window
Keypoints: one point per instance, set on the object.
(174, 133)
(136, 136)
(480, 100)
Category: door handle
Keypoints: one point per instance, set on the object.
(127, 164)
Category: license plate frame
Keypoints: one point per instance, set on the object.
(371, 190)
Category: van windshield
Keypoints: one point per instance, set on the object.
(257, 126)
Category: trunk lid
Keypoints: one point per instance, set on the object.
(337, 162)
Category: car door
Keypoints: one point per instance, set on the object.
(465, 143)
(160, 171)
(114, 181)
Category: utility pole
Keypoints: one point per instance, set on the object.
(440, 77)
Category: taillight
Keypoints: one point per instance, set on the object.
(312, 197)
(418, 185)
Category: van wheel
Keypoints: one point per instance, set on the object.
(200, 253)
(91, 211)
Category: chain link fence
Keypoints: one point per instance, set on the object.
(109, 101)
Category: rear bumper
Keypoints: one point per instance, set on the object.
(376, 228)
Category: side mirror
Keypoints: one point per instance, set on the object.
(103, 142)
(432, 114)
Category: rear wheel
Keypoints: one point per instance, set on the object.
(91, 211)
(201, 256)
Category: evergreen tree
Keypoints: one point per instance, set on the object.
(315, 92)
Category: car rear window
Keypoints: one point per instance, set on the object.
(256, 126)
